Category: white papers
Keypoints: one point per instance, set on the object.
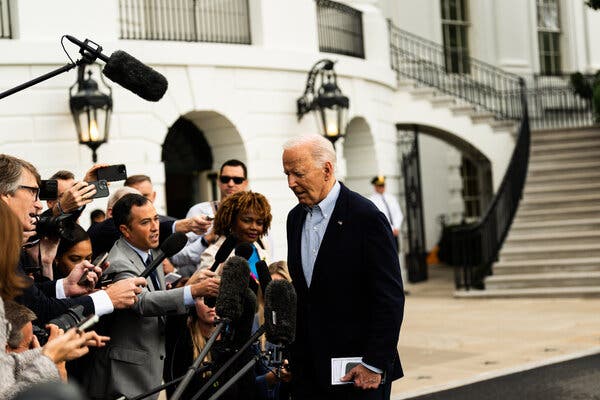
(340, 367)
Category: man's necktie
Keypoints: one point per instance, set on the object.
(153, 274)
(388, 214)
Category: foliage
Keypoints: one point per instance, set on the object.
(589, 90)
(594, 4)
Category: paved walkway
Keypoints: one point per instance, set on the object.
(447, 342)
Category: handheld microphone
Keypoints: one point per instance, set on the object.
(127, 71)
(171, 246)
(234, 282)
(224, 251)
(244, 250)
(280, 316)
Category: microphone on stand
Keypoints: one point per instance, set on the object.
(229, 308)
(280, 317)
(127, 71)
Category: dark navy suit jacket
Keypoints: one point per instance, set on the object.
(354, 306)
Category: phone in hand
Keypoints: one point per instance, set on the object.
(48, 189)
(112, 173)
(172, 278)
(87, 323)
(101, 188)
(98, 261)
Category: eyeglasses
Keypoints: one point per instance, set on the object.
(238, 180)
(35, 191)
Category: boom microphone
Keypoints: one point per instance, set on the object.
(280, 312)
(128, 71)
(234, 282)
(171, 246)
(243, 326)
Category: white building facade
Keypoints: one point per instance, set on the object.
(241, 98)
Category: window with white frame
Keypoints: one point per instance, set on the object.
(455, 23)
(548, 27)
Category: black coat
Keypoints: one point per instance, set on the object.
(354, 306)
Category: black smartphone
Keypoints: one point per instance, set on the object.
(101, 188)
(49, 189)
(112, 173)
(98, 261)
(87, 323)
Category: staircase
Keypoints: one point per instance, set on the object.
(553, 247)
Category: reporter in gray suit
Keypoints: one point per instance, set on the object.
(133, 362)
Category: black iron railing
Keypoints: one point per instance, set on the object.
(473, 248)
(486, 86)
(340, 29)
(553, 103)
(218, 21)
(5, 22)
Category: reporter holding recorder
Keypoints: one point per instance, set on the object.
(19, 370)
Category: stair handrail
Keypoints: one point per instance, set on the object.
(475, 247)
(488, 87)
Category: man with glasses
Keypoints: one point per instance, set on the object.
(19, 188)
(233, 178)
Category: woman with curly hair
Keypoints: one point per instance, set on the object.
(246, 218)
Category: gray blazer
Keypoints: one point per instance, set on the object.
(132, 362)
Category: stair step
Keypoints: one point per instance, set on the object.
(537, 252)
(587, 153)
(552, 147)
(558, 279)
(558, 213)
(516, 240)
(483, 117)
(581, 199)
(423, 92)
(566, 176)
(553, 292)
(562, 165)
(562, 136)
(535, 191)
(462, 109)
(563, 225)
(442, 101)
(589, 264)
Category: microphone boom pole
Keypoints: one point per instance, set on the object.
(192, 370)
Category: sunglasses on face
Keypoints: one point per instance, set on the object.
(236, 179)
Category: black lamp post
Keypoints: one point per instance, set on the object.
(328, 102)
(91, 110)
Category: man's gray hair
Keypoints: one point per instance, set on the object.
(321, 149)
(120, 192)
(11, 169)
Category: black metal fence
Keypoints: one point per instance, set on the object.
(219, 21)
(5, 22)
(486, 86)
(340, 29)
(553, 103)
(473, 248)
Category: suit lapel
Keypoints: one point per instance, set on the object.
(335, 227)
(137, 262)
(296, 246)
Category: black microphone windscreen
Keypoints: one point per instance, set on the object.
(135, 76)
(173, 244)
(244, 250)
(234, 281)
(264, 276)
(243, 326)
(280, 312)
